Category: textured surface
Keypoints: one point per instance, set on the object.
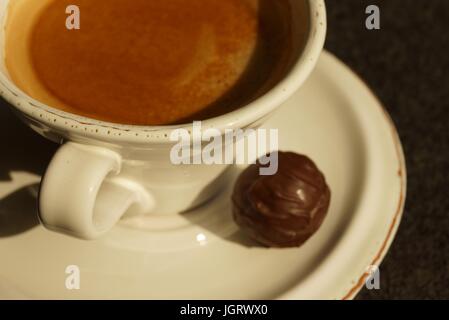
(406, 64)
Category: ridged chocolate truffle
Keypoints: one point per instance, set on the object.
(284, 209)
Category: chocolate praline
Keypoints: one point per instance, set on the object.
(284, 209)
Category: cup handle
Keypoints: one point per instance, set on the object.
(82, 195)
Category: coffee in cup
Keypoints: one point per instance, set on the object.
(152, 62)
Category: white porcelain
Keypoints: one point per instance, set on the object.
(334, 119)
(136, 157)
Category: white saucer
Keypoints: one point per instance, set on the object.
(334, 119)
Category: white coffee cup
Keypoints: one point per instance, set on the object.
(103, 170)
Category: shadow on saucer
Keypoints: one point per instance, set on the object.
(22, 148)
(215, 215)
(22, 151)
(241, 238)
(18, 211)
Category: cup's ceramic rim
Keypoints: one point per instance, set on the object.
(240, 118)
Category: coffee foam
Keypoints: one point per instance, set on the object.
(21, 17)
(166, 65)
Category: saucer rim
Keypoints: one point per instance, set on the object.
(394, 224)
(402, 173)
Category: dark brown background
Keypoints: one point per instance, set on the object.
(406, 63)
